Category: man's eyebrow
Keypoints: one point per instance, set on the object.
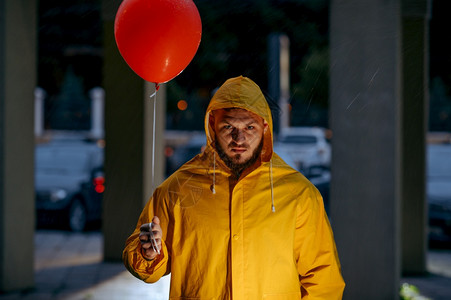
(251, 120)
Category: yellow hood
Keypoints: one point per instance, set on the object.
(242, 92)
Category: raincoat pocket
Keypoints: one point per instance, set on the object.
(286, 296)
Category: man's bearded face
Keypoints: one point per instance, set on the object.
(239, 137)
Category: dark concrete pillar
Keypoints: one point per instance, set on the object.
(365, 117)
(18, 33)
(128, 132)
(414, 128)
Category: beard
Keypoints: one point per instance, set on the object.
(231, 162)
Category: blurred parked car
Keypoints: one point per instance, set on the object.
(439, 191)
(69, 183)
(307, 146)
(185, 152)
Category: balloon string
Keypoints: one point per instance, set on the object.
(157, 87)
(154, 96)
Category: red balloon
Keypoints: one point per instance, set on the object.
(158, 38)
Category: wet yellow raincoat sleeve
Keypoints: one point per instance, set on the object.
(315, 251)
(134, 261)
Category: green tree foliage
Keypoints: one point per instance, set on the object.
(234, 42)
(311, 92)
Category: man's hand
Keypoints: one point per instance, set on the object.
(151, 246)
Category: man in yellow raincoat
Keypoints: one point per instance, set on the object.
(236, 222)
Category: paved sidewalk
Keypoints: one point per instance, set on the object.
(436, 285)
(69, 266)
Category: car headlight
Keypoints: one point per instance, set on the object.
(57, 195)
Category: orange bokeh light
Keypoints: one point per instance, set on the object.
(182, 105)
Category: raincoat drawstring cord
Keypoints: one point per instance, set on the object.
(273, 208)
(214, 173)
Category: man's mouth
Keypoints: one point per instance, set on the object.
(238, 150)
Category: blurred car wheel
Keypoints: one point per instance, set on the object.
(78, 216)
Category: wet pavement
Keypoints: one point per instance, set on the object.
(437, 284)
(70, 266)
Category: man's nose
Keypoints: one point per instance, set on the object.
(238, 135)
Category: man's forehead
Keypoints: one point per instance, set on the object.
(237, 114)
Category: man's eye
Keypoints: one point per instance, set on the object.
(228, 126)
(250, 127)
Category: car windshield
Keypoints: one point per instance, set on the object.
(52, 160)
(299, 139)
